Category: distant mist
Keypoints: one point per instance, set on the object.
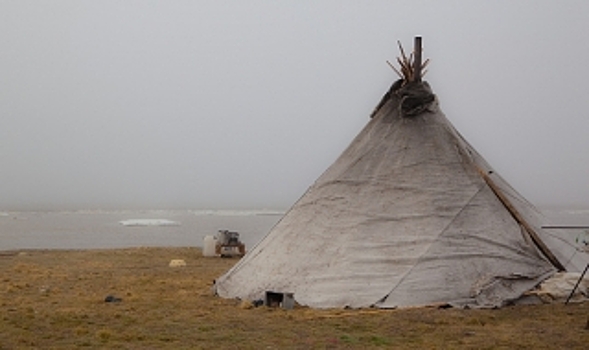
(216, 104)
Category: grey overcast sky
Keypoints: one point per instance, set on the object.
(243, 104)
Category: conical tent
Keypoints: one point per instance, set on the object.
(409, 215)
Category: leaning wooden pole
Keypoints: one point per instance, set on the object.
(520, 220)
(417, 63)
(577, 285)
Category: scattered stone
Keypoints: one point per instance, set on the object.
(112, 299)
(246, 304)
(177, 263)
(45, 290)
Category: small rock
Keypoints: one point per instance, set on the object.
(44, 290)
(112, 299)
(246, 304)
(177, 263)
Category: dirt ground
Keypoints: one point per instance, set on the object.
(56, 299)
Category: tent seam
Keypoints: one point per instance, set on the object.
(430, 246)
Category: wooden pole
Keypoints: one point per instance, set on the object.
(572, 227)
(576, 285)
(519, 219)
(417, 62)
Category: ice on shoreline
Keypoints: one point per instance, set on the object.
(157, 212)
(229, 212)
(149, 222)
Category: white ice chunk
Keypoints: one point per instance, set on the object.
(149, 222)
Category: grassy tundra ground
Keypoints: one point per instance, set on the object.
(55, 299)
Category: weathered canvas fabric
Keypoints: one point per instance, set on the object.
(403, 218)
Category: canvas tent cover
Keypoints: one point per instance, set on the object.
(403, 218)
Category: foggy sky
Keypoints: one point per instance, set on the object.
(243, 104)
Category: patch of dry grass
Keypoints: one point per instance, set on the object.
(56, 299)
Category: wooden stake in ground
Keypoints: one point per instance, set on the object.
(577, 285)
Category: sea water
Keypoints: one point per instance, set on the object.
(162, 228)
(111, 229)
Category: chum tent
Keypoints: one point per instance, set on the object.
(408, 215)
